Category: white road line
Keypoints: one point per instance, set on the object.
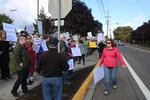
(142, 86)
(139, 49)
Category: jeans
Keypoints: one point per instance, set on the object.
(52, 88)
(110, 74)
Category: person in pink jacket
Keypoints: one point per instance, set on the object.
(109, 61)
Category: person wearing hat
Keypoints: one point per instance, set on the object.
(22, 62)
(52, 65)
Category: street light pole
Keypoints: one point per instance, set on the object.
(59, 16)
(37, 9)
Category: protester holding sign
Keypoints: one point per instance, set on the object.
(109, 61)
(4, 56)
(83, 52)
(29, 46)
(71, 58)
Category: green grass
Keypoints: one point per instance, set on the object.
(12, 66)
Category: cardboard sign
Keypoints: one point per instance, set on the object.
(37, 44)
(100, 37)
(43, 43)
(40, 28)
(98, 74)
(76, 51)
(10, 32)
(89, 34)
(71, 64)
(29, 29)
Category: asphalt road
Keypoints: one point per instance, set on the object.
(139, 59)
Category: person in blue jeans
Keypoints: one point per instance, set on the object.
(109, 61)
(52, 65)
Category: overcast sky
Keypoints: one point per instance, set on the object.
(26, 10)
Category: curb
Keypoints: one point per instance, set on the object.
(80, 94)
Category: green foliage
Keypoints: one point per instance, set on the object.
(6, 19)
(123, 33)
(80, 20)
(48, 27)
(142, 33)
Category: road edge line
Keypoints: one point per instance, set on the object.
(141, 85)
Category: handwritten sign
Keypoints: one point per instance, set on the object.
(10, 32)
(71, 64)
(76, 51)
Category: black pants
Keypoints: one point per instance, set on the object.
(83, 58)
(5, 73)
(22, 80)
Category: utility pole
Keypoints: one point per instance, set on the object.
(37, 9)
(107, 21)
(59, 16)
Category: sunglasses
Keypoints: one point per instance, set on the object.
(108, 42)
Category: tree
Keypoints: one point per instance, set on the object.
(47, 23)
(142, 33)
(80, 20)
(6, 19)
(123, 33)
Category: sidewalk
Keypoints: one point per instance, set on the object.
(6, 86)
(127, 89)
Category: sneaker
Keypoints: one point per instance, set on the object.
(106, 93)
(114, 86)
(15, 94)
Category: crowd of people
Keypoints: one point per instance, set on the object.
(30, 56)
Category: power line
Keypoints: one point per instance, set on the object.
(103, 7)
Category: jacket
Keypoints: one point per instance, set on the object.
(82, 48)
(21, 55)
(109, 58)
(4, 51)
(52, 64)
(62, 47)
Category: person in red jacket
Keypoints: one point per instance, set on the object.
(29, 46)
(109, 61)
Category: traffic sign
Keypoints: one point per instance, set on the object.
(66, 6)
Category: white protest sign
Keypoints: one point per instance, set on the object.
(37, 44)
(76, 51)
(89, 34)
(40, 28)
(43, 43)
(29, 29)
(71, 64)
(10, 32)
(100, 37)
(75, 37)
(98, 74)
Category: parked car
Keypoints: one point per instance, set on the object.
(120, 43)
